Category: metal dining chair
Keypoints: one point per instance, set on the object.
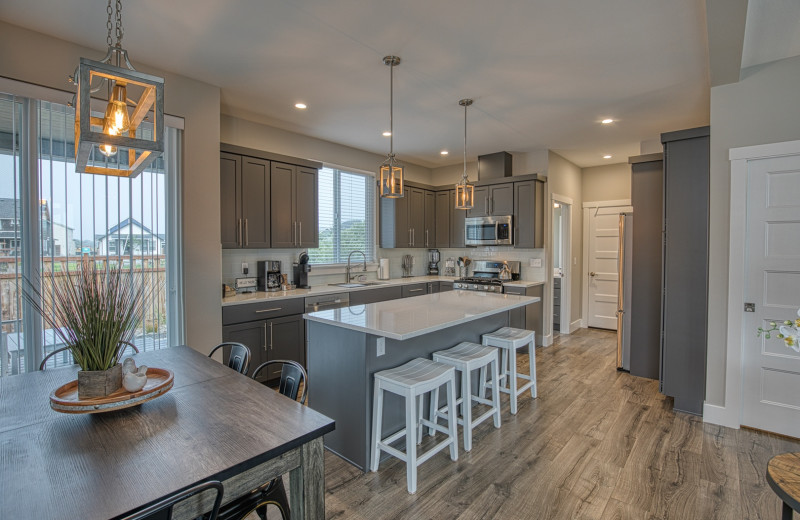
(122, 345)
(293, 381)
(238, 356)
(164, 507)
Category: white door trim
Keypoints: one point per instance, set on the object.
(625, 205)
(730, 413)
(566, 291)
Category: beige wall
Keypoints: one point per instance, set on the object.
(607, 182)
(565, 178)
(250, 134)
(37, 58)
(762, 108)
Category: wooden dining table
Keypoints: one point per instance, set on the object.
(214, 424)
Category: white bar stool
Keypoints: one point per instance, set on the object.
(466, 357)
(509, 339)
(411, 381)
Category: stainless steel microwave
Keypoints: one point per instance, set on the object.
(488, 231)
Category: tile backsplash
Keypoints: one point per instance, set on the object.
(232, 260)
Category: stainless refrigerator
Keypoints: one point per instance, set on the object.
(624, 296)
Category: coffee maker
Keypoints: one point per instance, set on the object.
(433, 261)
(269, 275)
(300, 269)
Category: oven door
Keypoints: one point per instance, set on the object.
(488, 231)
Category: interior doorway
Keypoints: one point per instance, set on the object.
(561, 219)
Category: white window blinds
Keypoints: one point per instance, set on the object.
(346, 216)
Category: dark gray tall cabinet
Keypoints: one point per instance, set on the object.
(685, 273)
(647, 193)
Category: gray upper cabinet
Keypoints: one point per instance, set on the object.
(501, 199)
(294, 206)
(457, 216)
(230, 167)
(244, 202)
(529, 214)
(394, 228)
(416, 216)
(442, 224)
(481, 206)
(255, 203)
(306, 207)
(284, 231)
(429, 233)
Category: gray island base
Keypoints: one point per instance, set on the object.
(347, 346)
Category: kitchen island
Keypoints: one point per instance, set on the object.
(347, 346)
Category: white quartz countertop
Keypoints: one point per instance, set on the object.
(524, 283)
(317, 290)
(411, 317)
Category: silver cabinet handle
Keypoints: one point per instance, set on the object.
(265, 336)
(269, 310)
(270, 335)
(488, 212)
(415, 290)
(239, 232)
(300, 242)
(294, 233)
(427, 243)
(409, 237)
(413, 236)
(246, 233)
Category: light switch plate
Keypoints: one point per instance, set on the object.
(381, 347)
(245, 268)
(536, 262)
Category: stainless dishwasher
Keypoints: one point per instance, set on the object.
(327, 301)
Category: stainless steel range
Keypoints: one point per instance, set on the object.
(488, 276)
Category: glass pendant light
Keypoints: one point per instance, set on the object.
(120, 125)
(465, 190)
(391, 179)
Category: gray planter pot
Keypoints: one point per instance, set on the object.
(99, 383)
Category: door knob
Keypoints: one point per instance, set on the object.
(592, 273)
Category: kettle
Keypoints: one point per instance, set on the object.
(505, 273)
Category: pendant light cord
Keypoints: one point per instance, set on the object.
(464, 177)
(391, 109)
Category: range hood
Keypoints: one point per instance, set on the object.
(494, 166)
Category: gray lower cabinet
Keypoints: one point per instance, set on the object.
(253, 335)
(414, 289)
(381, 294)
(445, 286)
(286, 339)
(529, 317)
(432, 287)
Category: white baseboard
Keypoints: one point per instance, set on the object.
(547, 340)
(720, 415)
(583, 323)
(575, 325)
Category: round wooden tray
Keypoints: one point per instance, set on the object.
(65, 398)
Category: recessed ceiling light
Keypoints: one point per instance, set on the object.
(387, 133)
(301, 106)
(606, 156)
(444, 152)
(607, 121)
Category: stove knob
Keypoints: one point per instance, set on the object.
(484, 287)
(474, 287)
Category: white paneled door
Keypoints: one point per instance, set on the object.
(771, 371)
(603, 272)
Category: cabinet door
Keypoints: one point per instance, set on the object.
(430, 219)
(394, 222)
(416, 289)
(529, 214)
(481, 206)
(501, 199)
(286, 340)
(402, 224)
(457, 216)
(445, 286)
(229, 168)
(306, 210)
(442, 219)
(255, 203)
(433, 287)
(283, 221)
(375, 295)
(253, 335)
(416, 216)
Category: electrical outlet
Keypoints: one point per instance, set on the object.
(381, 347)
(245, 268)
(536, 262)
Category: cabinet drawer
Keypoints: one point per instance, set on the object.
(262, 310)
(445, 286)
(417, 289)
(375, 295)
(556, 283)
(519, 291)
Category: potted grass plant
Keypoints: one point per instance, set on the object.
(92, 312)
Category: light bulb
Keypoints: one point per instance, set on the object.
(117, 112)
(107, 149)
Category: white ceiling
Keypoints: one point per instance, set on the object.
(543, 73)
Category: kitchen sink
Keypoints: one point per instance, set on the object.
(356, 285)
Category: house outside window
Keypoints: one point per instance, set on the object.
(346, 216)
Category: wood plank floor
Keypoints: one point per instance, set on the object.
(597, 444)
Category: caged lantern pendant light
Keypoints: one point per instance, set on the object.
(391, 180)
(465, 191)
(120, 129)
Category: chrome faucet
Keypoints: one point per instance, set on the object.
(349, 278)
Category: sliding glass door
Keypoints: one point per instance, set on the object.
(54, 221)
